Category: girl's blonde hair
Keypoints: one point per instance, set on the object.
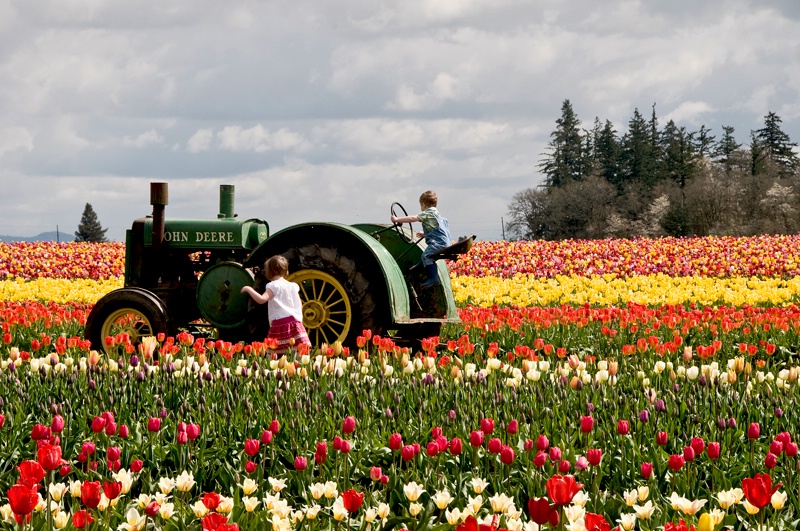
(277, 266)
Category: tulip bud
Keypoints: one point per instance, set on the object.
(528, 445)
(124, 431)
(513, 426)
(507, 455)
(300, 463)
(456, 446)
(136, 466)
(647, 470)
(250, 467)
(395, 441)
(587, 423)
(349, 425)
(713, 450)
(275, 427)
(771, 460)
(753, 431)
(542, 443)
(64, 470)
(57, 424)
(564, 466)
(152, 509)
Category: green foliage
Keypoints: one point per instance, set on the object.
(89, 229)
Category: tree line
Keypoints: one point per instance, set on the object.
(656, 181)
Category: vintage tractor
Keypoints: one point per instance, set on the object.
(187, 274)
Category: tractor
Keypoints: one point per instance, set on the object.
(187, 275)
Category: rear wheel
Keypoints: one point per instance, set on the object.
(132, 311)
(327, 314)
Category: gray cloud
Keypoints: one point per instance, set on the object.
(332, 110)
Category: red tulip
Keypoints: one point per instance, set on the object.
(596, 522)
(49, 456)
(91, 491)
(675, 462)
(300, 463)
(688, 454)
(111, 489)
(99, 424)
(251, 447)
(791, 449)
(661, 438)
(436, 432)
(2, 420)
(250, 467)
(487, 426)
(542, 443)
(540, 459)
(587, 423)
(111, 428)
(40, 432)
(776, 447)
(113, 453)
(193, 431)
(771, 460)
(507, 455)
(528, 445)
(322, 452)
(564, 466)
(352, 500)
(64, 470)
(154, 424)
(476, 438)
(81, 519)
(152, 509)
(266, 437)
(753, 431)
(211, 500)
(623, 427)
(513, 426)
(555, 453)
(57, 424)
(88, 448)
(30, 473)
(758, 490)
(345, 446)
(212, 521)
(395, 441)
(594, 456)
(182, 438)
(136, 466)
(337, 443)
(408, 453)
(647, 470)
(698, 445)
(349, 425)
(124, 431)
(713, 450)
(495, 445)
(561, 489)
(540, 510)
(23, 499)
(432, 450)
(456, 446)
(275, 427)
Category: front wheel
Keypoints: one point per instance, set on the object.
(132, 311)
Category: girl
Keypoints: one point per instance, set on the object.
(284, 305)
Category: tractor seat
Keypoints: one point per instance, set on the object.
(450, 253)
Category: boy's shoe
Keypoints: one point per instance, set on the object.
(433, 276)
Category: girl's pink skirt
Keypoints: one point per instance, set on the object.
(285, 330)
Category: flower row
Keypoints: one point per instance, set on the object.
(761, 256)
(757, 256)
(73, 260)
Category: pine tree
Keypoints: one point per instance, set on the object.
(89, 229)
(567, 159)
(679, 156)
(638, 157)
(704, 142)
(726, 147)
(607, 154)
(776, 145)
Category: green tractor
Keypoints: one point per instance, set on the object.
(187, 274)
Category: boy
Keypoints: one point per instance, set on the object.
(435, 230)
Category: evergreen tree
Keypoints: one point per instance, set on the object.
(759, 157)
(679, 154)
(704, 142)
(638, 158)
(607, 154)
(89, 229)
(726, 147)
(776, 145)
(567, 159)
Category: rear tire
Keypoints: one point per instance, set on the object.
(133, 311)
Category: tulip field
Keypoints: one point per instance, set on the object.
(591, 385)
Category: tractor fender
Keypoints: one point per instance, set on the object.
(367, 254)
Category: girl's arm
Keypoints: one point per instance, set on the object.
(260, 298)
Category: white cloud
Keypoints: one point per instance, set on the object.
(146, 139)
(13, 138)
(200, 141)
(257, 139)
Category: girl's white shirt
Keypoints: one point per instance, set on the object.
(285, 300)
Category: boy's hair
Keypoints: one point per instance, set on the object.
(429, 199)
(277, 266)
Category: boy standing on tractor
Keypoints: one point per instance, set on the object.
(436, 232)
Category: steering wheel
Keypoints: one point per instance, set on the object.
(399, 226)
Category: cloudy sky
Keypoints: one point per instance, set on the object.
(330, 110)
